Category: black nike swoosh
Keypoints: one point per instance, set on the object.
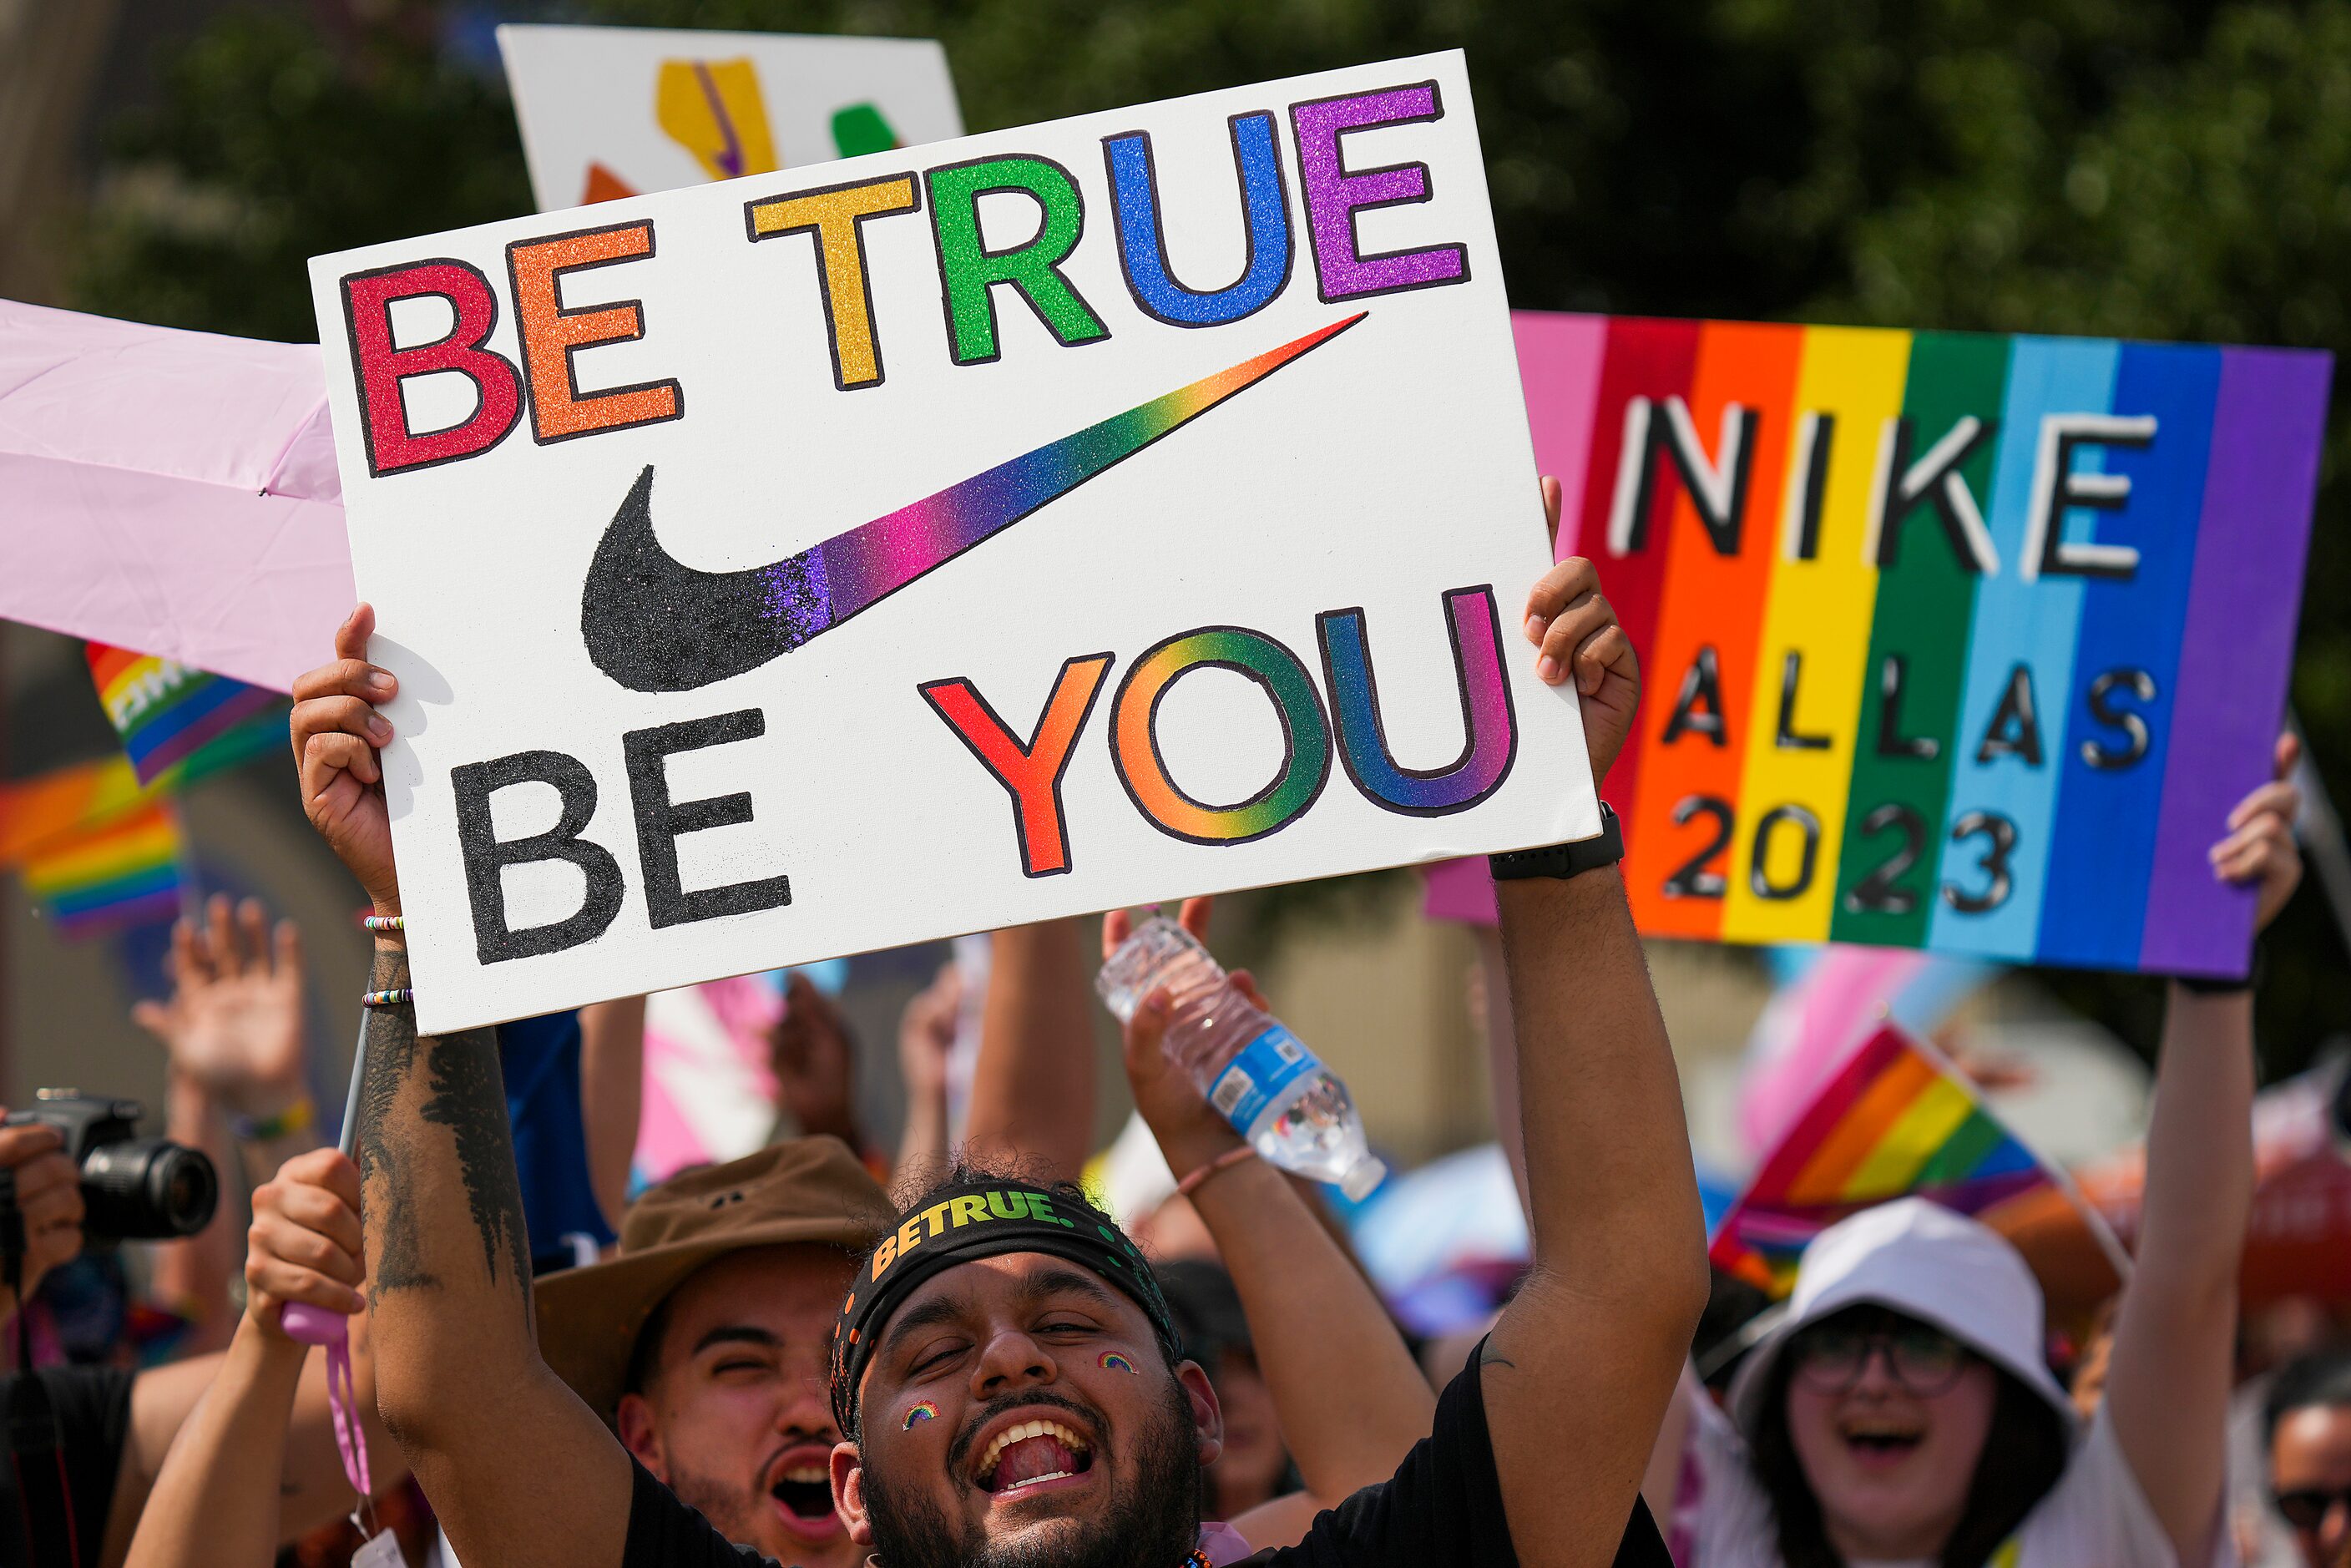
(654, 624)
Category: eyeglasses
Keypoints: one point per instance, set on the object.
(1832, 1356)
(2306, 1508)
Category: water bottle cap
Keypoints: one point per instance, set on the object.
(1361, 1178)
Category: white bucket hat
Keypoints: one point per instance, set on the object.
(1926, 1262)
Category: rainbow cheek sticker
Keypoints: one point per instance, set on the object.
(1306, 735)
(923, 1412)
(1113, 1362)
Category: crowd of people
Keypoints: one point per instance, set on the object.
(826, 1354)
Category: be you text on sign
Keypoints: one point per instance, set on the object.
(690, 527)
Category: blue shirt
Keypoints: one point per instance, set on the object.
(541, 1059)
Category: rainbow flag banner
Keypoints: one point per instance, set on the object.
(1951, 641)
(1896, 1121)
(124, 873)
(37, 813)
(166, 712)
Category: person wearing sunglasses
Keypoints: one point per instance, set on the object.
(1901, 1413)
(2307, 1416)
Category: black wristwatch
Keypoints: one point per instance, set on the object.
(1571, 859)
(2257, 969)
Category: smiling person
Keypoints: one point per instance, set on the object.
(1539, 1446)
(1902, 1412)
(1007, 1373)
(2307, 1419)
(703, 1343)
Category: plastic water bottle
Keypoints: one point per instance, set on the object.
(1293, 1110)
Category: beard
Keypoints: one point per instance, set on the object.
(1152, 1522)
(740, 1513)
(723, 1506)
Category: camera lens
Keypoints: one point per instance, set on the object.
(147, 1190)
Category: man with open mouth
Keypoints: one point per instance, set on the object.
(1002, 1371)
(703, 1343)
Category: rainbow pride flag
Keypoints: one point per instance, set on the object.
(1896, 1121)
(1954, 641)
(35, 813)
(124, 873)
(166, 713)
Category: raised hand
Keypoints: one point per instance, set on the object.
(1190, 1131)
(336, 733)
(234, 1021)
(1575, 633)
(927, 1034)
(2261, 846)
(303, 1245)
(812, 1057)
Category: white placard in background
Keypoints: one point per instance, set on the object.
(795, 567)
(616, 111)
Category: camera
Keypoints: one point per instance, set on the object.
(133, 1188)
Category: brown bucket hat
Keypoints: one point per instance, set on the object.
(806, 1189)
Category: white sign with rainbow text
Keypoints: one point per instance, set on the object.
(1109, 510)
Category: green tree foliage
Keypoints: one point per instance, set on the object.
(2105, 166)
(270, 145)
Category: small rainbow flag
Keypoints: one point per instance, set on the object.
(167, 713)
(123, 873)
(1896, 1121)
(38, 813)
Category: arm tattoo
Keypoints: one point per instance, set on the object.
(1488, 1356)
(391, 1059)
(469, 1098)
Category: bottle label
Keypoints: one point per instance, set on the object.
(1252, 1080)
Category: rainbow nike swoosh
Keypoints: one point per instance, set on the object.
(654, 624)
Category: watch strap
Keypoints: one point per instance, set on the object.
(1564, 860)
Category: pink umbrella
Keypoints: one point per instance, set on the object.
(170, 492)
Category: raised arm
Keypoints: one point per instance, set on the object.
(612, 1096)
(311, 1491)
(232, 1034)
(216, 1499)
(1315, 1322)
(2168, 1383)
(1579, 1370)
(189, 1275)
(1032, 1092)
(926, 1031)
(520, 1472)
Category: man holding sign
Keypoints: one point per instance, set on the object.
(792, 556)
(1538, 1446)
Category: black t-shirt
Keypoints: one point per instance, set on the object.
(1443, 1505)
(92, 1406)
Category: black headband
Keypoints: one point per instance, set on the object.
(981, 1220)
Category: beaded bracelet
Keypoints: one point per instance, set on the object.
(386, 923)
(388, 998)
(287, 1123)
